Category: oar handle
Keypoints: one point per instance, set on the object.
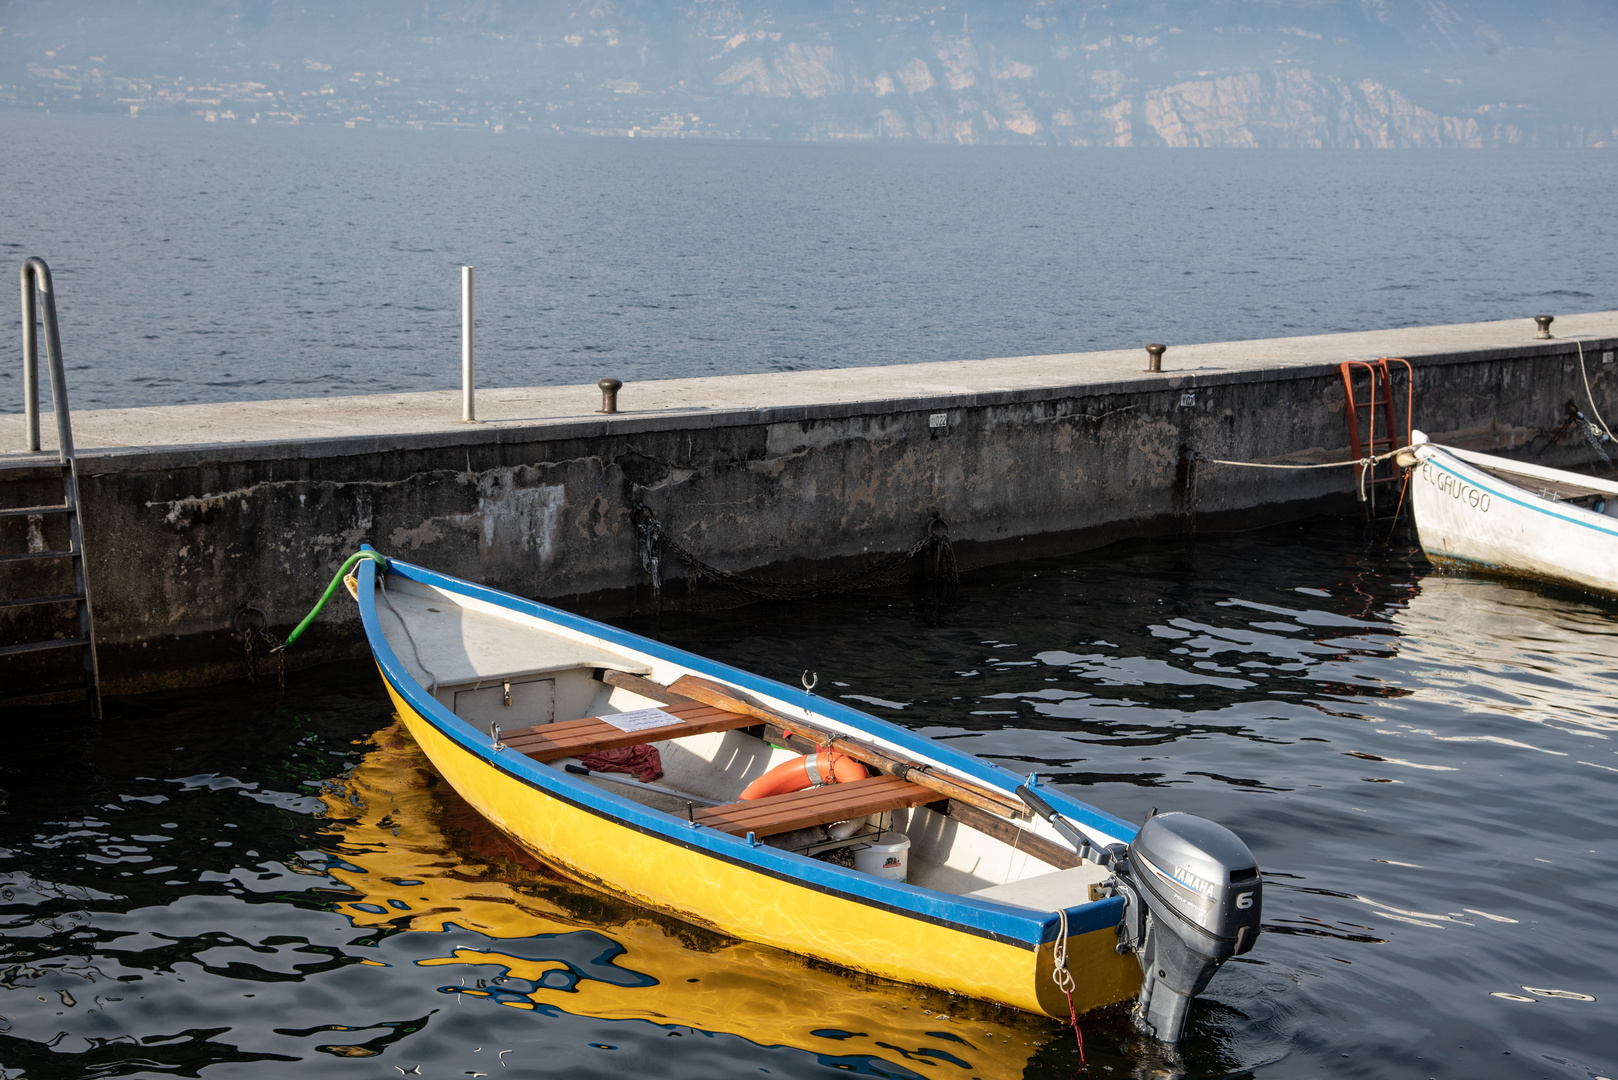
(1041, 807)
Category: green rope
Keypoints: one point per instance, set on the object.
(332, 588)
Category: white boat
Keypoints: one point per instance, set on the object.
(1478, 511)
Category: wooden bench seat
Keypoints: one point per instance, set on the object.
(815, 806)
(575, 738)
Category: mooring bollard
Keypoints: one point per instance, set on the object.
(1544, 322)
(609, 394)
(1156, 353)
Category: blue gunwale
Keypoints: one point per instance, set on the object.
(1573, 515)
(982, 918)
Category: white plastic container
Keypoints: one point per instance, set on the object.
(887, 856)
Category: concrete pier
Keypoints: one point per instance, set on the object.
(190, 511)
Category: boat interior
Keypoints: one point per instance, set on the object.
(1591, 493)
(553, 694)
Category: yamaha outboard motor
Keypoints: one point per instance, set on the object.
(1192, 901)
(1192, 897)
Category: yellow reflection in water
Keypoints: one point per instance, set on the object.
(419, 858)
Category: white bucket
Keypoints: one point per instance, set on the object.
(888, 856)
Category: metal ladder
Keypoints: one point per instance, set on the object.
(1362, 414)
(36, 280)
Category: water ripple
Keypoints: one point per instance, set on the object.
(1421, 764)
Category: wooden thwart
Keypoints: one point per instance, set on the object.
(574, 738)
(954, 787)
(815, 806)
(972, 817)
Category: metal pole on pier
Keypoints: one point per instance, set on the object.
(30, 357)
(468, 413)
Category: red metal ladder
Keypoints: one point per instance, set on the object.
(1363, 438)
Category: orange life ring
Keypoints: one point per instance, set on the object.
(825, 767)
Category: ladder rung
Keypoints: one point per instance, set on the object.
(44, 470)
(29, 511)
(42, 646)
(30, 556)
(60, 598)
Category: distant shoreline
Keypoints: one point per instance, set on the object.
(611, 135)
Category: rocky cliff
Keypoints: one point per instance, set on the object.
(1228, 73)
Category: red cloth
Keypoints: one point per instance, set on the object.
(642, 760)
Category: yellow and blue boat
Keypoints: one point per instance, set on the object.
(964, 877)
(388, 845)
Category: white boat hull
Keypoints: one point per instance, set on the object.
(1468, 515)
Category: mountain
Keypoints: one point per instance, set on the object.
(1283, 73)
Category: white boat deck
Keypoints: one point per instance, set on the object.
(478, 647)
(1046, 892)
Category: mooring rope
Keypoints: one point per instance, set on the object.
(1366, 464)
(1063, 978)
(1372, 459)
(382, 585)
(1404, 489)
(1589, 432)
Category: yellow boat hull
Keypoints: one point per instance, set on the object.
(748, 902)
(391, 828)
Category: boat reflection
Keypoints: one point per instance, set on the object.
(1536, 653)
(420, 860)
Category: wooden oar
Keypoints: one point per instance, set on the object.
(724, 697)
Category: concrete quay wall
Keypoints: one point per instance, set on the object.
(190, 511)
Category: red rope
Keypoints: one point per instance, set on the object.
(1077, 1032)
(1063, 978)
(1403, 488)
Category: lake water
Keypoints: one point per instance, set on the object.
(225, 882)
(231, 883)
(216, 262)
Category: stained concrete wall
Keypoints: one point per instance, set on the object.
(192, 511)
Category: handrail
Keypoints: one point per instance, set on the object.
(36, 278)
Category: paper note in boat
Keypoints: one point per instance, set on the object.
(641, 720)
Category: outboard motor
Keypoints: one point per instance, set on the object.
(1192, 900)
(1193, 897)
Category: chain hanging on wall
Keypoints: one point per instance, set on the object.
(1186, 496)
(1574, 420)
(933, 547)
(253, 627)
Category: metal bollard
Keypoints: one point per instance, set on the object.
(1156, 353)
(609, 394)
(1544, 322)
